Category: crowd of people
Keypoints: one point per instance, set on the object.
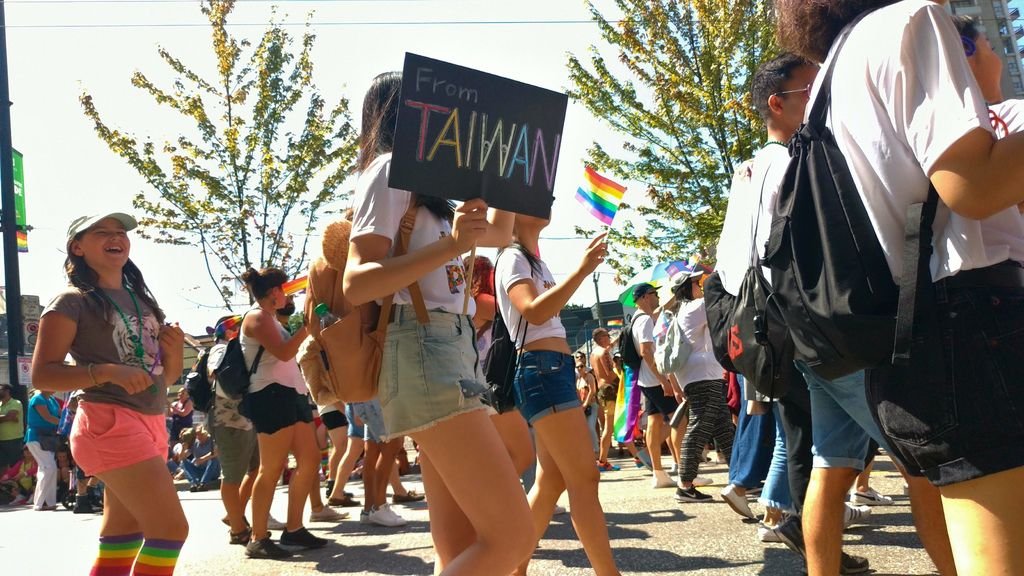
(910, 90)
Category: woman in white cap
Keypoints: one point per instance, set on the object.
(124, 354)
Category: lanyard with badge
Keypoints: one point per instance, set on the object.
(135, 336)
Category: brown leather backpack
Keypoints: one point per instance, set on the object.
(343, 362)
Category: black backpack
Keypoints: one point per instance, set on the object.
(829, 272)
(627, 346)
(500, 362)
(198, 383)
(748, 332)
(233, 374)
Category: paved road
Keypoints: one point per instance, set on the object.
(651, 533)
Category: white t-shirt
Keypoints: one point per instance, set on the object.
(761, 175)
(643, 331)
(701, 365)
(379, 210)
(902, 94)
(1012, 113)
(270, 369)
(512, 267)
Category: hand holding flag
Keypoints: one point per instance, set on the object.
(600, 196)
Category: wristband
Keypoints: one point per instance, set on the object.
(92, 376)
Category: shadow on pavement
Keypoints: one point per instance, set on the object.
(561, 525)
(374, 559)
(640, 560)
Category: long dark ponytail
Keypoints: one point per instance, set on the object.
(380, 120)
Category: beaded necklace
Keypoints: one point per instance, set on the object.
(136, 335)
(770, 142)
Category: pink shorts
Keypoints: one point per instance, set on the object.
(107, 436)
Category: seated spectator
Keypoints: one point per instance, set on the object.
(18, 483)
(203, 468)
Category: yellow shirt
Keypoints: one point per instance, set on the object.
(12, 430)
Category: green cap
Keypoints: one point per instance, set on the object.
(321, 310)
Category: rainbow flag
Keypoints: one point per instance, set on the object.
(627, 406)
(600, 196)
(615, 323)
(295, 286)
(22, 240)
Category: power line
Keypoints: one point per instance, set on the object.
(311, 24)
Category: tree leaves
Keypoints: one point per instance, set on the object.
(679, 94)
(265, 155)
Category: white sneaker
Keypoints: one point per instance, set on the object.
(385, 516)
(855, 515)
(870, 498)
(769, 534)
(559, 510)
(738, 504)
(661, 480)
(275, 524)
(702, 481)
(327, 514)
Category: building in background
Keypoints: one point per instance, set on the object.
(1001, 23)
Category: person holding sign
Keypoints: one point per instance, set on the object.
(545, 387)
(430, 384)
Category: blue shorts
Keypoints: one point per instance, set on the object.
(841, 421)
(371, 420)
(545, 383)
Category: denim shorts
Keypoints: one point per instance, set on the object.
(841, 422)
(429, 372)
(957, 413)
(371, 426)
(545, 383)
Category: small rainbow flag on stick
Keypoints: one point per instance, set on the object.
(600, 195)
(22, 240)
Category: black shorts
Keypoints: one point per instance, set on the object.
(655, 402)
(957, 412)
(334, 420)
(276, 407)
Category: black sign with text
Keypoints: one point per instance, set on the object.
(465, 134)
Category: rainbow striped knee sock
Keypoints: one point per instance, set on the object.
(157, 558)
(117, 554)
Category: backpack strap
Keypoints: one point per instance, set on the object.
(822, 104)
(404, 234)
(259, 352)
(916, 274)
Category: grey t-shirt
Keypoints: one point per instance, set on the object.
(103, 338)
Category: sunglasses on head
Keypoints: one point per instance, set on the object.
(969, 46)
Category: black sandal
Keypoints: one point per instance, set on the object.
(241, 538)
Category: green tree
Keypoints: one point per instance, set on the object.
(249, 182)
(679, 96)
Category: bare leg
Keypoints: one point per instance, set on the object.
(307, 463)
(656, 434)
(564, 436)
(348, 464)
(339, 445)
(273, 455)
(451, 531)
(985, 518)
(385, 465)
(141, 497)
(470, 462)
(607, 430)
(370, 477)
(823, 518)
(926, 505)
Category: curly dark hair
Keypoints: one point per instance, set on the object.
(809, 27)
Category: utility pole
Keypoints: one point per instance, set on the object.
(8, 219)
(597, 294)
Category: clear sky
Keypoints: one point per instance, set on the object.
(58, 48)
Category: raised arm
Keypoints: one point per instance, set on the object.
(539, 309)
